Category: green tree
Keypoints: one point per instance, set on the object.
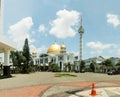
(55, 68)
(17, 58)
(65, 66)
(28, 58)
(118, 64)
(13, 57)
(69, 66)
(107, 65)
(26, 52)
(92, 66)
(82, 66)
(108, 62)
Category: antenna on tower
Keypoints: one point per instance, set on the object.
(81, 22)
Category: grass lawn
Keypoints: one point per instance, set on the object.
(65, 75)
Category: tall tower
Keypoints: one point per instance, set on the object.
(80, 31)
(1, 17)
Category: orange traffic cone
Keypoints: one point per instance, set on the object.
(93, 91)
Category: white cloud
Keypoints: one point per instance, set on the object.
(42, 28)
(62, 26)
(42, 49)
(33, 32)
(32, 48)
(75, 53)
(118, 51)
(98, 47)
(19, 31)
(113, 19)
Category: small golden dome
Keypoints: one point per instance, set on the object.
(54, 48)
(63, 46)
(34, 52)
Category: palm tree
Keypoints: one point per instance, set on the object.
(17, 58)
(13, 57)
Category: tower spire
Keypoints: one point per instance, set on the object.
(80, 31)
(81, 22)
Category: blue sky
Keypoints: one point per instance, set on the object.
(45, 21)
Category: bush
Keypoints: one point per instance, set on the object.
(55, 68)
(64, 75)
(88, 70)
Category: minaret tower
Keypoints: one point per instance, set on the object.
(80, 31)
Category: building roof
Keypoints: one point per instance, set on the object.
(56, 48)
(63, 46)
(6, 44)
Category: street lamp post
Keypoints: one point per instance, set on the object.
(80, 31)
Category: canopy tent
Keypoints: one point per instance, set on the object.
(5, 47)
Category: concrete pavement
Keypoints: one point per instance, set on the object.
(82, 89)
(44, 84)
(100, 92)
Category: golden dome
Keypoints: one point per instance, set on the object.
(34, 52)
(63, 46)
(54, 48)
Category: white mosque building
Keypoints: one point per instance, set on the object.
(56, 54)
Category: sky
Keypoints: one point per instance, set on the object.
(45, 21)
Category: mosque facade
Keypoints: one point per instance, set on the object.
(56, 54)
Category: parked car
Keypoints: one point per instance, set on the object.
(112, 72)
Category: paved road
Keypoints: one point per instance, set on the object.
(44, 83)
(38, 78)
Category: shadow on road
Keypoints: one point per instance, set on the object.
(4, 77)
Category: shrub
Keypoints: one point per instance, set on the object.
(55, 68)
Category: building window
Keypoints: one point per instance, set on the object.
(60, 58)
(67, 57)
(46, 60)
(36, 61)
(54, 60)
(41, 60)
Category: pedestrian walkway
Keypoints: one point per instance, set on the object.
(81, 89)
(45, 84)
(68, 89)
(101, 92)
(31, 91)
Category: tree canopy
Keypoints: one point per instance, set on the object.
(28, 58)
(118, 64)
(82, 66)
(92, 66)
(108, 62)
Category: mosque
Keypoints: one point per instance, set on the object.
(56, 54)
